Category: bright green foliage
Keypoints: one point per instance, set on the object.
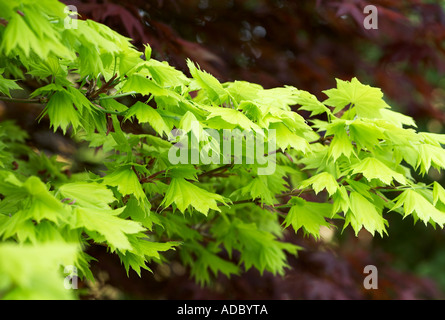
(439, 193)
(33, 272)
(6, 85)
(372, 168)
(308, 215)
(359, 161)
(60, 109)
(258, 247)
(126, 181)
(367, 101)
(421, 208)
(207, 259)
(146, 114)
(320, 182)
(215, 91)
(184, 194)
(364, 214)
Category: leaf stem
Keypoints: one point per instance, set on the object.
(118, 95)
(102, 109)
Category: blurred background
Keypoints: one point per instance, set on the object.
(306, 44)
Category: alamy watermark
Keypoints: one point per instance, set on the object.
(71, 280)
(371, 20)
(70, 21)
(371, 280)
(210, 146)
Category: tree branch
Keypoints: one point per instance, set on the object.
(17, 100)
(211, 172)
(322, 140)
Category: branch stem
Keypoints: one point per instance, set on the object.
(17, 100)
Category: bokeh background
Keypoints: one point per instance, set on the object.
(306, 44)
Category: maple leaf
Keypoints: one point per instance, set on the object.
(106, 223)
(366, 100)
(364, 214)
(372, 168)
(309, 216)
(185, 194)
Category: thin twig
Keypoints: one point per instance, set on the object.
(103, 89)
(211, 172)
(322, 140)
(17, 100)
(151, 178)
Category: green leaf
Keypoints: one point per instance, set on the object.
(129, 61)
(140, 84)
(143, 250)
(258, 189)
(32, 272)
(106, 223)
(166, 75)
(189, 122)
(7, 84)
(244, 91)
(126, 181)
(233, 117)
(417, 205)
(309, 102)
(12, 39)
(320, 182)
(146, 114)
(372, 168)
(430, 155)
(260, 249)
(147, 52)
(286, 138)
(113, 105)
(140, 213)
(278, 98)
(9, 184)
(18, 225)
(43, 204)
(438, 193)
(364, 214)
(367, 101)
(397, 118)
(366, 135)
(434, 139)
(87, 194)
(208, 260)
(340, 201)
(252, 111)
(341, 143)
(98, 36)
(185, 194)
(308, 215)
(209, 83)
(398, 136)
(61, 112)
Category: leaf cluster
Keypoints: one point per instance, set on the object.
(353, 149)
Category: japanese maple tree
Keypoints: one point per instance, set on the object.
(353, 148)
